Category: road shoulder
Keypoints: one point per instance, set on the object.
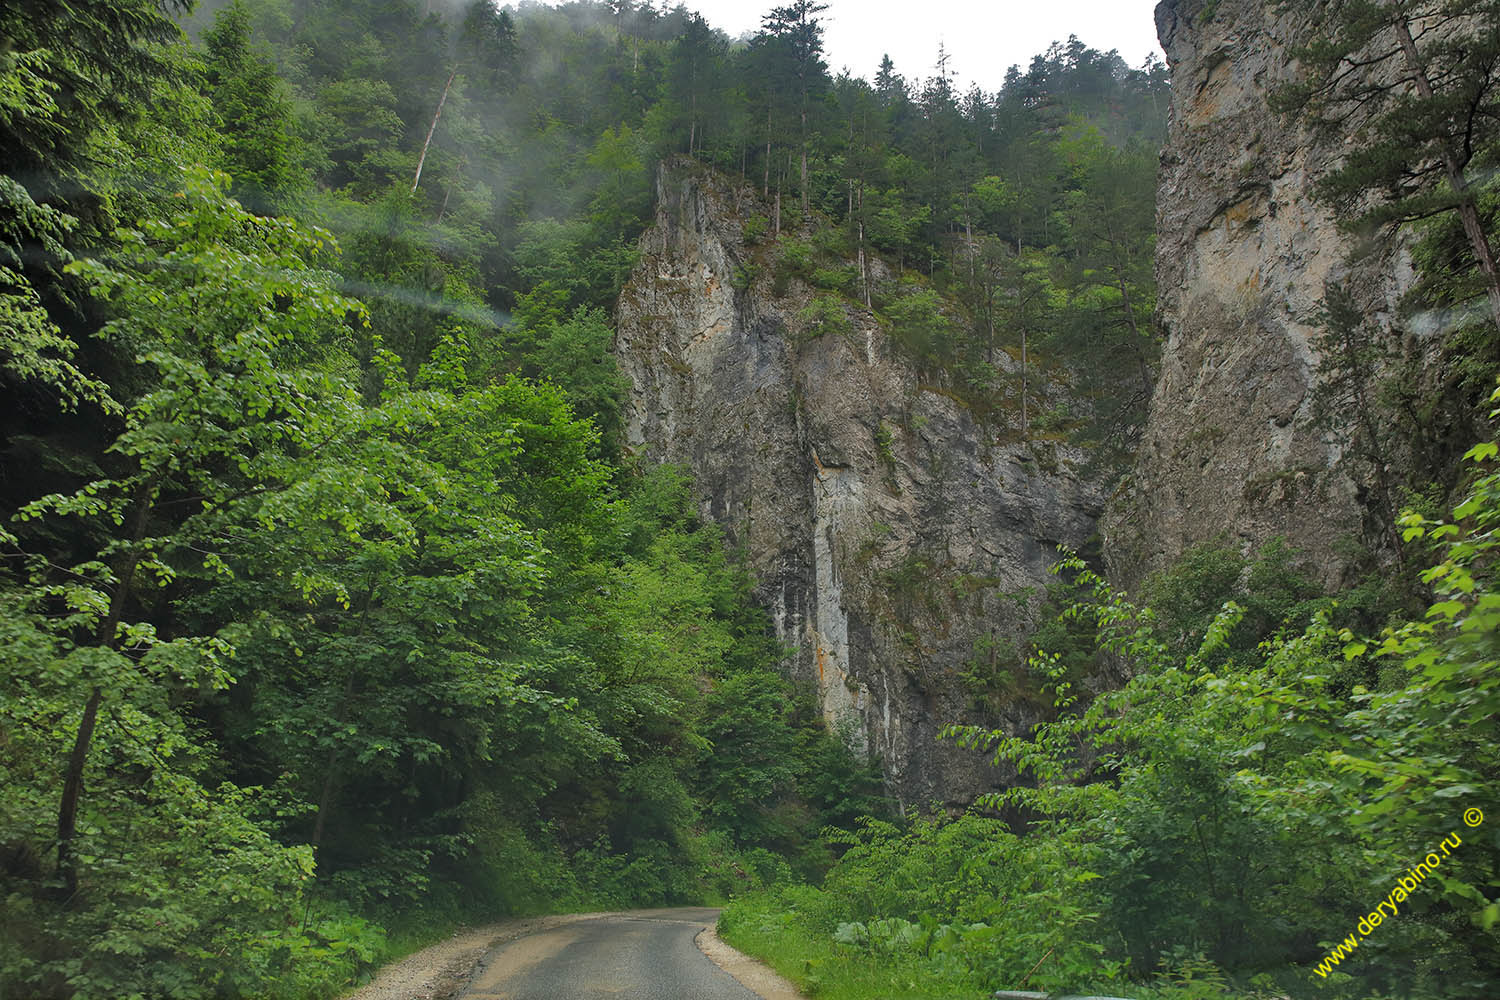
(754, 975)
(440, 971)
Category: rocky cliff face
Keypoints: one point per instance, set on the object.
(885, 525)
(1243, 256)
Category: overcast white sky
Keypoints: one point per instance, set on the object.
(983, 39)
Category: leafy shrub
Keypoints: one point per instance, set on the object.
(824, 315)
(755, 228)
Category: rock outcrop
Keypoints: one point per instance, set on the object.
(888, 528)
(1243, 256)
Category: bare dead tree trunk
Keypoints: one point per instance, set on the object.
(432, 128)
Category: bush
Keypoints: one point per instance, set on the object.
(825, 315)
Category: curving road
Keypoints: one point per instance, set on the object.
(645, 955)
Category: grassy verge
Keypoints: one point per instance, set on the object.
(779, 927)
(788, 928)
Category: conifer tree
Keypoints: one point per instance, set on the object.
(1416, 82)
(798, 26)
(260, 147)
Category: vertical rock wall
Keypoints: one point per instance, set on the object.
(885, 525)
(1243, 255)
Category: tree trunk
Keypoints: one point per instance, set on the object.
(864, 265)
(804, 145)
(432, 128)
(989, 316)
(804, 179)
(67, 813)
(1388, 511)
(331, 768)
(1025, 424)
(67, 809)
(1468, 211)
(765, 187)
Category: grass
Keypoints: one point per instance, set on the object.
(766, 927)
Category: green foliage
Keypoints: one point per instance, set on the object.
(36, 354)
(824, 315)
(324, 609)
(1224, 761)
(328, 621)
(1414, 85)
(755, 228)
(1272, 591)
(943, 908)
(1214, 826)
(883, 442)
(257, 112)
(72, 71)
(623, 193)
(169, 870)
(573, 350)
(917, 322)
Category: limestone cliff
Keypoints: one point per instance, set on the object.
(885, 524)
(1243, 255)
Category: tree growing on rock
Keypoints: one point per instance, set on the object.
(1415, 82)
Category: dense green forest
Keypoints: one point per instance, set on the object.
(334, 611)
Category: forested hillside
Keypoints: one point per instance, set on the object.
(331, 602)
(335, 610)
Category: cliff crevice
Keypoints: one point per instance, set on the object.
(885, 523)
(1232, 451)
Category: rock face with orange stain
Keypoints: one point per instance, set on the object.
(1243, 255)
(888, 529)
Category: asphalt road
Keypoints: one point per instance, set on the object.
(648, 955)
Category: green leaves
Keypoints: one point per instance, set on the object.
(1276, 775)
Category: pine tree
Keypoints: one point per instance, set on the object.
(797, 24)
(1416, 83)
(260, 147)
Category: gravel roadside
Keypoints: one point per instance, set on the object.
(753, 974)
(440, 971)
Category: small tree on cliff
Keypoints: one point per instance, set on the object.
(1415, 82)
